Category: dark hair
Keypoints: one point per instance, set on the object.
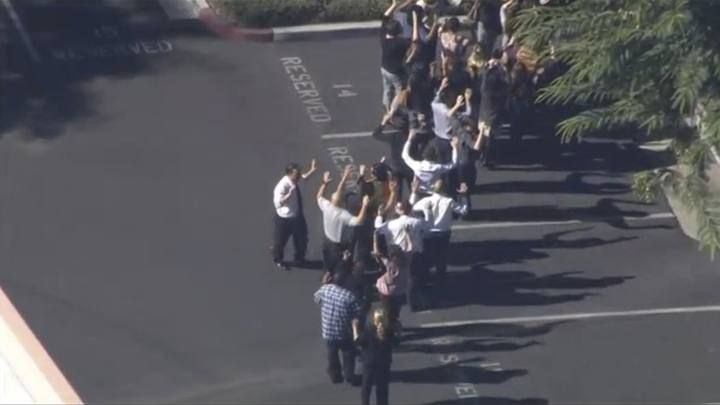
(417, 10)
(497, 53)
(406, 206)
(452, 24)
(291, 168)
(430, 154)
(367, 188)
(393, 28)
(381, 171)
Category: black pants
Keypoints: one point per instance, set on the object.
(437, 247)
(392, 305)
(348, 365)
(467, 171)
(418, 280)
(332, 254)
(283, 229)
(379, 376)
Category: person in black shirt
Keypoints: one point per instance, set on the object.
(376, 342)
(493, 103)
(487, 15)
(394, 49)
(522, 94)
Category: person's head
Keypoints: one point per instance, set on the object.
(497, 54)
(403, 208)
(393, 28)
(417, 10)
(293, 172)
(439, 186)
(452, 25)
(430, 154)
(476, 60)
(380, 322)
(381, 172)
(342, 273)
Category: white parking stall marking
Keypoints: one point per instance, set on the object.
(496, 225)
(579, 316)
(354, 135)
(20, 27)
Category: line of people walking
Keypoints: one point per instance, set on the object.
(446, 93)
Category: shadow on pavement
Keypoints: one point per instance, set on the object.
(605, 210)
(497, 330)
(467, 345)
(573, 184)
(519, 250)
(491, 401)
(595, 154)
(79, 41)
(481, 286)
(454, 373)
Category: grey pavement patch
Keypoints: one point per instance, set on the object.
(578, 316)
(494, 225)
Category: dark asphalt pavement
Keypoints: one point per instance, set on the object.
(137, 165)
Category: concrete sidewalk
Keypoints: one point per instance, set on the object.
(27, 373)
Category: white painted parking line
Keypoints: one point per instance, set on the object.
(350, 135)
(578, 316)
(496, 225)
(20, 27)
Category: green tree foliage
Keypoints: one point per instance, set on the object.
(653, 65)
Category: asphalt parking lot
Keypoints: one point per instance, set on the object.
(138, 160)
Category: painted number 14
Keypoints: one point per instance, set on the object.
(344, 90)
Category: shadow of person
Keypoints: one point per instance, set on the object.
(519, 250)
(468, 345)
(479, 330)
(453, 373)
(482, 286)
(490, 401)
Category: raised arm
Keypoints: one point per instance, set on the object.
(343, 179)
(413, 164)
(311, 170)
(392, 198)
(323, 186)
(391, 10)
(416, 27)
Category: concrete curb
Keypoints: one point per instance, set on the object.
(225, 29)
(686, 217)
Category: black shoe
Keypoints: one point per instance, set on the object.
(282, 266)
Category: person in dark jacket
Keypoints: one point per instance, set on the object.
(493, 103)
(376, 342)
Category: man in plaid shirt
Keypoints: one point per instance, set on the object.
(340, 314)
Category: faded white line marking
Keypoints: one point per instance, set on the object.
(20, 27)
(579, 316)
(494, 225)
(350, 135)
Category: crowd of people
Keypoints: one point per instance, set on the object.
(446, 93)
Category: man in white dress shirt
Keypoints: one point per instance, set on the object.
(289, 218)
(428, 170)
(438, 210)
(336, 218)
(406, 232)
